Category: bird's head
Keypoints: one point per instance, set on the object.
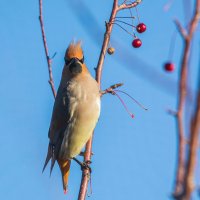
(74, 59)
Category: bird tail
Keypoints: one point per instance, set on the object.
(64, 167)
(51, 154)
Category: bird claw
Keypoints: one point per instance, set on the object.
(84, 165)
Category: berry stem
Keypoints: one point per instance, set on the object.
(137, 102)
(172, 45)
(131, 17)
(137, 15)
(125, 23)
(131, 114)
(124, 29)
(126, 17)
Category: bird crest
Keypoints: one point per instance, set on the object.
(74, 51)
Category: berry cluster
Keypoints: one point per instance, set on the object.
(141, 28)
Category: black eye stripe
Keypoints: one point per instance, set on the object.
(67, 61)
(82, 60)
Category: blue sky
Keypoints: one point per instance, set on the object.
(134, 158)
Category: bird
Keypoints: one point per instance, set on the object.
(75, 113)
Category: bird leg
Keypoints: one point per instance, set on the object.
(83, 153)
(84, 165)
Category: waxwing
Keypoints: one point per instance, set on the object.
(75, 113)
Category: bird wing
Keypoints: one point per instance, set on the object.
(60, 115)
(58, 125)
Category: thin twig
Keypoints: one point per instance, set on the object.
(109, 27)
(121, 100)
(133, 99)
(111, 88)
(49, 60)
(180, 29)
(171, 112)
(130, 5)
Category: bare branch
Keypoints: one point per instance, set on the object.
(185, 177)
(193, 148)
(49, 60)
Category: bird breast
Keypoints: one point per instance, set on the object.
(83, 100)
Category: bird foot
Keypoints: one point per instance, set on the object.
(84, 165)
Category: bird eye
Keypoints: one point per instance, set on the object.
(67, 61)
(82, 60)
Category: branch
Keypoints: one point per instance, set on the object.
(184, 179)
(49, 60)
(180, 123)
(130, 5)
(109, 26)
(111, 88)
(195, 19)
(193, 148)
(106, 40)
(180, 29)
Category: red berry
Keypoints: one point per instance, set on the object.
(136, 43)
(141, 28)
(169, 67)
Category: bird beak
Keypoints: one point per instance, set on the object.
(75, 66)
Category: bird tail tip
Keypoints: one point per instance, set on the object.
(65, 168)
